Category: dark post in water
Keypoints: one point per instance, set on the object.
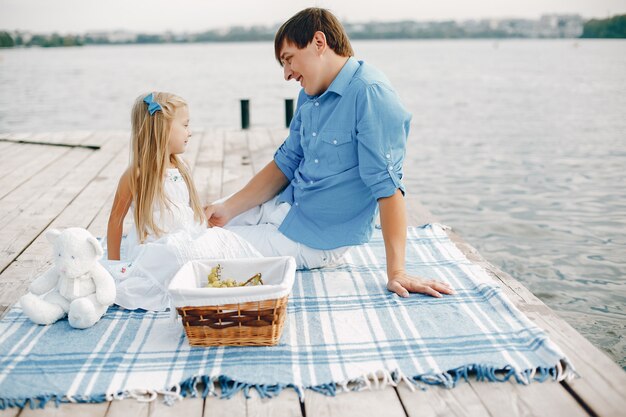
(245, 114)
(288, 111)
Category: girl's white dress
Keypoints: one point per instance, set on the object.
(145, 270)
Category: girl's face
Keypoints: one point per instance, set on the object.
(179, 131)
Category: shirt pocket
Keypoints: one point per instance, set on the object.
(338, 150)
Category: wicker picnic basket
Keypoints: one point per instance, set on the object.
(240, 316)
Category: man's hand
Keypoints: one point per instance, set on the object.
(402, 283)
(217, 215)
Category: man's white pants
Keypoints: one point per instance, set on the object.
(259, 226)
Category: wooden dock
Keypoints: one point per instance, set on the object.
(61, 180)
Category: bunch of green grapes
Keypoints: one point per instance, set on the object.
(214, 276)
(215, 279)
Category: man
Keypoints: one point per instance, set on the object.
(341, 161)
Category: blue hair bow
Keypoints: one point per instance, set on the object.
(153, 106)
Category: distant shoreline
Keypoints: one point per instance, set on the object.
(547, 27)
(574, 40)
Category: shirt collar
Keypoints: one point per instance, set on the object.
(342, 80)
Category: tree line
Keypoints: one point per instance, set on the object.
(613, 27)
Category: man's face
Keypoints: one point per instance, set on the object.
(304, 66)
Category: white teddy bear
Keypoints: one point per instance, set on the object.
(77, 285)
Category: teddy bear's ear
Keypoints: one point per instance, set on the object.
(97, 248)
(53, 234)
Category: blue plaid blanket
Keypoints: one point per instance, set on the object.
(344, 331)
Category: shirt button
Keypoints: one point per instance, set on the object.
(297, 204)
(311, 183)
(314, 134)
(389, 168)
(317, 103)
(317, 161)
(388, 156)
(335, 141)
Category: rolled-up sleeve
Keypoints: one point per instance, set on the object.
(289, 154)
(381, 131)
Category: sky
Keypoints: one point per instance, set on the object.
(76, 16)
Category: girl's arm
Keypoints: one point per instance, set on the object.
(121, 204)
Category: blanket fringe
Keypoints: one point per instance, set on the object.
(562, 371)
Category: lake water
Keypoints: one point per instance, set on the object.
(520, 145)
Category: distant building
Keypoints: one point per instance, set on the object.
(560, 26)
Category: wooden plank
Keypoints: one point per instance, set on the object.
(39, 183)
(68, 410)
(25, 164)
(10, 412)
(286, 404)
(7, 148)
(75, 137)
(460, 401)
(129, 407)
(15, 206)
(9, 151)
(97, 197)
(602, 386)
(30, 150)
(98, 226)
(208, 170)
(233, 407)
(54, 138)
(25, 160)
(27, 211)
(39, 137)
(537, 399)
(261, 147)
(18, 135)
(188, 407)
(82, 137)
(237, 167)
(377, 403)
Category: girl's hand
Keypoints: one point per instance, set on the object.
(402, 283)
(216, 215)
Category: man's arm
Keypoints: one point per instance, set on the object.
(393, 224)
(262, 187)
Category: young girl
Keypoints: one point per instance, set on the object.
(169, 225)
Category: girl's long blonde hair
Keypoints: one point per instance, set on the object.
(149, 162)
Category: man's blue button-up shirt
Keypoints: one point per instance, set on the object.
(344, 151)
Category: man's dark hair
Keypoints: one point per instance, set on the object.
(300, 29)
